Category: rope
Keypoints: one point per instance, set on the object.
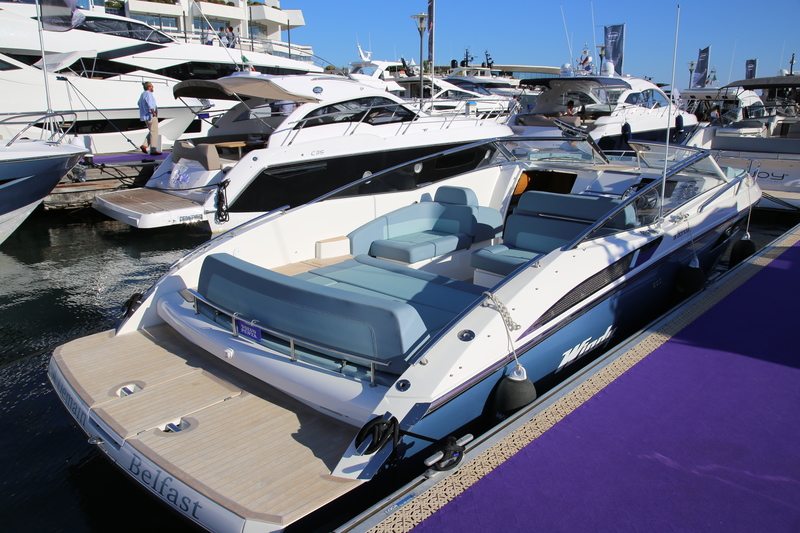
(62, 78)
(222, 215)
(507, 320)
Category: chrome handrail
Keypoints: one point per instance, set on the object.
(48, 118)
(236, 317)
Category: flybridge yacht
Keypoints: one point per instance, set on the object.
(613, 109)
(767, 130)
(289, 140)
(104, 111)
(100, 66)
(125, 45)
(287, 362)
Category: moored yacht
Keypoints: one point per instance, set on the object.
(99, 67)
(768, 131)
(613, 109)
(289, 361)
(289, 140)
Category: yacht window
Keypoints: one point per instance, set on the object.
(4, 65)
(608, 95)
(372, 110)
(123, 28)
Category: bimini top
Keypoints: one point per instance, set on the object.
(238, 87)
(774, 82)
(545, 82)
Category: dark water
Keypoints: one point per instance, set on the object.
(62, 276)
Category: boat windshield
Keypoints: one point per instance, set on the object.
(124, 28)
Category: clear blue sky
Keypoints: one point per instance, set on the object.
(533, 32)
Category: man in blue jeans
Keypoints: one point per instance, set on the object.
(148, 113)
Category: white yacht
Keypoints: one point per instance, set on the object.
(99, 68)
(318, 349)
(613, 109)
(480, 79)
(767, 130)
(105, 112)
(442, 97)
(288, 141)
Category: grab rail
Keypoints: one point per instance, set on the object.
(235, 317)
(49, 120)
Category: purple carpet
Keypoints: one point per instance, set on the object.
(702, 435)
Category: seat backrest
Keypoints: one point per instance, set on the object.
(447, 194)
(205, 154)
(545, 221)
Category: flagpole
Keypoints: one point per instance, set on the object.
(44, 67)
(594, 37)
(669, 115)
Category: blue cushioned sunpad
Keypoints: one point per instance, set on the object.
(437, 299)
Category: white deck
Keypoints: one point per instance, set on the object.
(253, 450)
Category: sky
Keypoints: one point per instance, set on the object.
(535, 33)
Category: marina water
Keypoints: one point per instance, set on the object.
(62, 276)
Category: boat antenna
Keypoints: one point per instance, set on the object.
(669, 116)
(733, 56)
(594, 38)
(569, 44)
(48, 124)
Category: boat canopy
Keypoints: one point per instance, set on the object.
(775, 82)
(545, 82)
(238, 87)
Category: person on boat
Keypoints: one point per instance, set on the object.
(231, 38)
(571, 108)
(148, 113)
(715, 112)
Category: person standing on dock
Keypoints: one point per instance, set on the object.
(148, 113)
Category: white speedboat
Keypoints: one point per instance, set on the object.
(29, 170)
(769, 133)
(343, 128)
(443, 98)
(96, 70)
(613, 109)
(285, 363)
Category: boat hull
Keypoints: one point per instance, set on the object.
(24, 183)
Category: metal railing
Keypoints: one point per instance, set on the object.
(291, 339)
(54, 123)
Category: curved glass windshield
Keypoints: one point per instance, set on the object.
(124, 28)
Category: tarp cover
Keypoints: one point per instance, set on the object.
(775, 82)
(236, 87)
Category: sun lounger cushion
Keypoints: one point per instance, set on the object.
(452, 221)
(348, 321)
(543, 222)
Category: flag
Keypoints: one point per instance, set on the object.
(750, 69)
(431, 9)
(700, 76)
(615, 45)
(60, 15)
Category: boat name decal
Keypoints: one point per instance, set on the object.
(585, 347)
(72, 405)
(681, 233)
(183, 503)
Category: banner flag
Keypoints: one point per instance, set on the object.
(700, 76)
(750, 69)
(615, 45)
